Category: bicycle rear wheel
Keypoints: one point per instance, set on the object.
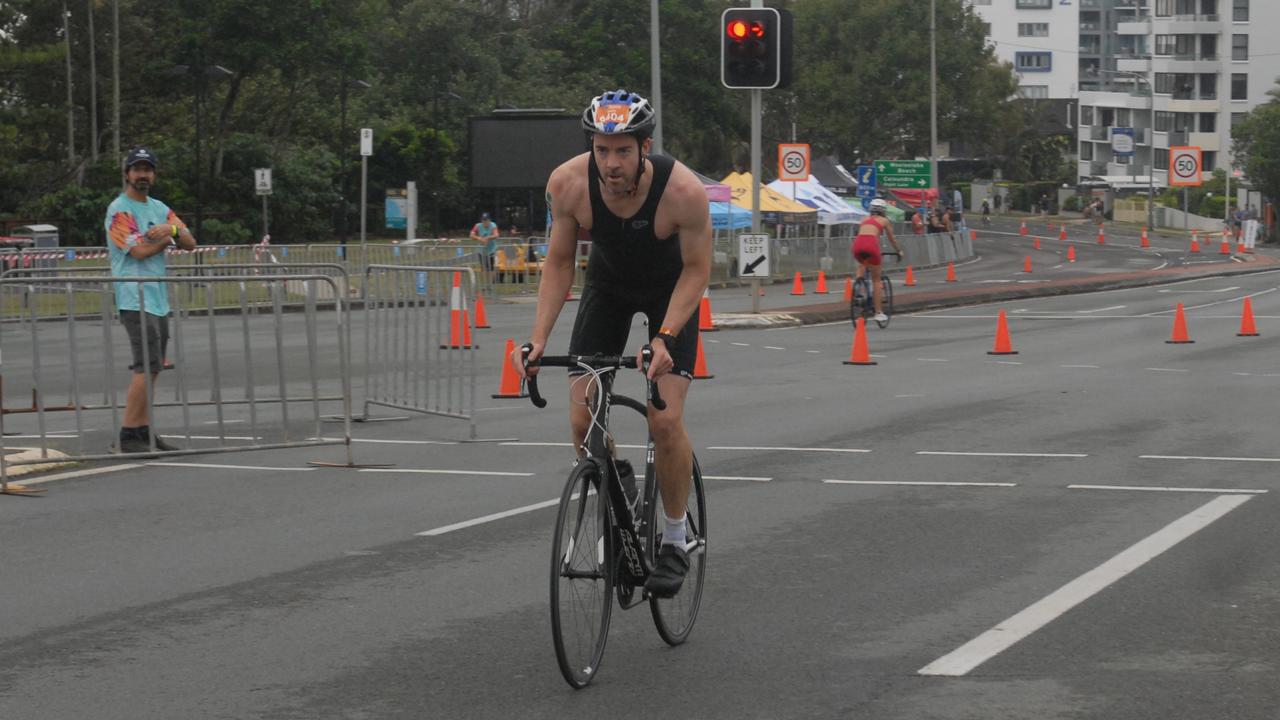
(581, 576)
(674, 616)
(886, 287)
(861, 300)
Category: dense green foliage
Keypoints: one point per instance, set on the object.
(1256, 145)
(861, 91)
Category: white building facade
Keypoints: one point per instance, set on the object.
(1209, 63)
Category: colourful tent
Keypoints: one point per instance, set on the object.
(832, 209)
(775, 207)
(716, 192)
(727, 216)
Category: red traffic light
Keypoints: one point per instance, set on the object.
(739, 30)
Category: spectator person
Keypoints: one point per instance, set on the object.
(1044, 204)
(486, 232)
(140, 228)
(996, 202)
(917, 221)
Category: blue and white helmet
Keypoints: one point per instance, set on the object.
(618, 112)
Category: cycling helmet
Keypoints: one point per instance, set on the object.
(878, 206)
(618, 112)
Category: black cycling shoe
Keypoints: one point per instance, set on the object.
(668, 575)
(134, 445)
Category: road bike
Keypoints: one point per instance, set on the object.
(606, 536)
(863, 305)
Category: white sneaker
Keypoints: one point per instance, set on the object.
(881, 318)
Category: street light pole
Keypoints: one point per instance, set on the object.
(1151, 142)
(933, 97)
(655, 71)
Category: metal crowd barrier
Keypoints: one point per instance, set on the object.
(419, 352)
(84, 352)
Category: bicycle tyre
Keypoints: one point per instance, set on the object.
(582, 575)
(886, 286)
(861, 300)
(674, 616)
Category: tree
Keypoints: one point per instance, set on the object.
(1256, 145)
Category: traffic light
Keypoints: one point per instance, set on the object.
(755, 48)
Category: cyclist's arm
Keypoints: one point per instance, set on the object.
(893, 240)
(562, 247)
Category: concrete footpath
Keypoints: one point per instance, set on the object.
(912, 299)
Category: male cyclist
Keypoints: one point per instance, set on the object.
(650, 229)
(866, 250)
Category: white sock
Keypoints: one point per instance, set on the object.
(674, 533)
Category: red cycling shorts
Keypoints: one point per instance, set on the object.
(866, 249)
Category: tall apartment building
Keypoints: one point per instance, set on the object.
(1176, 72)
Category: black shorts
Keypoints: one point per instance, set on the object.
(604, 321)
(157, 339)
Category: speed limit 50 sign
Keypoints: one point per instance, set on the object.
(1184, 165)
(793, 162)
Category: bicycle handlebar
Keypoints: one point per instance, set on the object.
(598, 362)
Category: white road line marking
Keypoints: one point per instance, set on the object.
(76, 473)
(924, 483)
(932, 360)
(1113, 307)
(911, 395)
(813, 352)
(232, 467)
(1166, 370)
(1147, 488)
(1208, 457)
(404, 442)
(1003, 454)
(791, 449)
(51, 436)
(561, 444)
(490, 518)
(773, 347)
(212, 437)
(1079, 366)
(736, 477)
(1004, 362)
(224, 422)
(1003, 636)
(1219, 290)
(741, 344)
(428, 471)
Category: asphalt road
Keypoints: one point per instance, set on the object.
(1104, 500)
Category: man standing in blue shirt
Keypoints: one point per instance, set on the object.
(486, 231)
(139, 230)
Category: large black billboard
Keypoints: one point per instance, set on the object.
(521, 151)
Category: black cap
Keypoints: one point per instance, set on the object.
(141, 155)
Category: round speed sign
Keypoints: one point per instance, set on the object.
(793, 161)
(1184, 166)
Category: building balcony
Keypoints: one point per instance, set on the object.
(1133, 27)
(1207, 141)
(1189, 63)
(1186, 25)
(1134, 63)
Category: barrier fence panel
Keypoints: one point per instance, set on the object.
(236, 364)
(419, 353)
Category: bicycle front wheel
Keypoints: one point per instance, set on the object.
(674, 616)
(861, 300)
(581, 576)
(886, 288)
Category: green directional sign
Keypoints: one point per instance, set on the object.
(903, 174)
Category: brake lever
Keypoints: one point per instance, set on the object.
(532, 380)
(646, 357)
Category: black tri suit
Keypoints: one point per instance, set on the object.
(630, 270)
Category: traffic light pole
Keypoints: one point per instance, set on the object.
(755, 183)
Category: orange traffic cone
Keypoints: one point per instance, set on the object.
(1026, 264)
(1179, 328)
(1071, 253)
(1002, 346)
(1195, 245)
(860, 355)
(1145, 242)
(910, 280)
(700, 371)
(512, 384)
(951, 272)
(821, 289)
(1239, 248)
(705, 323)
(1023, 229)
(1225, 249)
(482, 320)
(1247, 328)
(1036, 244)
(1063, 235)
(797, 287)
(973, 234)
(848, 286)
(1102, 238)
(459, 325)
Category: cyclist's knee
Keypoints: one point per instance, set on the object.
(666, 427)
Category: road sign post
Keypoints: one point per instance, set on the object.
(366, 149)
(903, 174)
(1185, 162)
(753, 263)
(262, 182)
(793, 162)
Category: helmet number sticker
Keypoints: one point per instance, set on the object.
(613, 115)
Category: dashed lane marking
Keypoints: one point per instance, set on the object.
(1150, 488)
(429, 471)
(747, 478)
(80, 473)
(490, 518)
(922, 483)
(1002, 454)
(231, 467)
(1209, 457)
(788, 449)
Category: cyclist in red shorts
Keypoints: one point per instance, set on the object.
(866, 250)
